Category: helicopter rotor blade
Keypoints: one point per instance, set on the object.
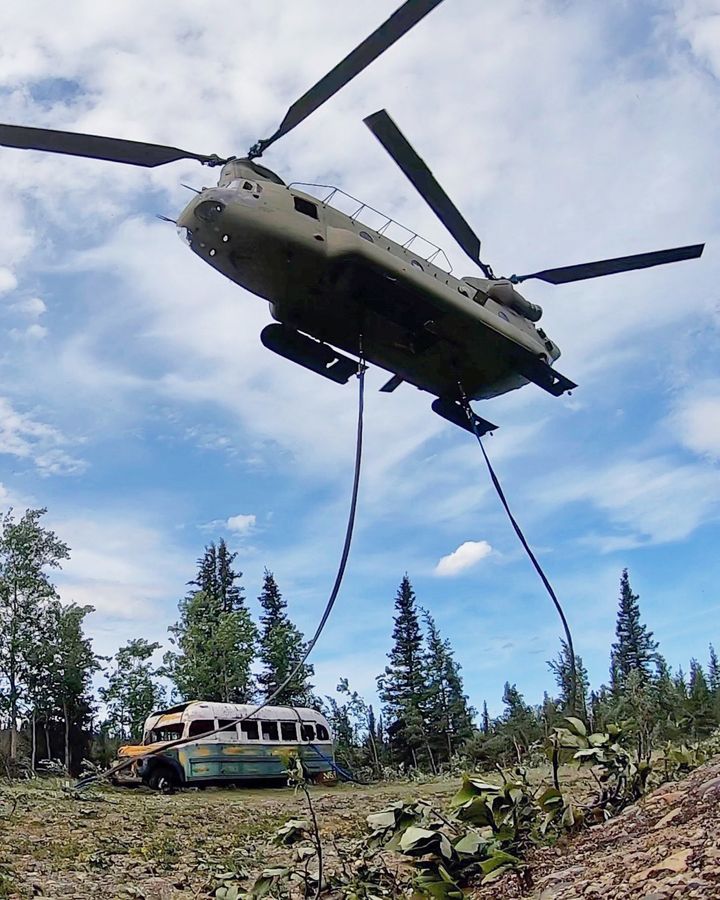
(566, 274)
(72, 143)
(399, 23)
(397, 145)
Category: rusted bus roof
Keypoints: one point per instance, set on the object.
(200, 709)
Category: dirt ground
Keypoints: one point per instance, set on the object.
(131, 842)
(124, 842)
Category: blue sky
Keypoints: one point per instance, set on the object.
(138, 405)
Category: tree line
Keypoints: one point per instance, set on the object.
(49, 702)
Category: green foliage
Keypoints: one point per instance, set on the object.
(573, 688)
(132, 692)
(282, 647)
(634, 649)
(215, 635)
(27, 549)
(448, 716)
(402, 686)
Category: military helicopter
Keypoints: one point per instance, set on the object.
(335, 284)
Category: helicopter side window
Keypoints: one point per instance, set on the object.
(414, 262)
(306, 207)
(365, 236)
(248, 186)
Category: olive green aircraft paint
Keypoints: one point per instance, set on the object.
(328, 275)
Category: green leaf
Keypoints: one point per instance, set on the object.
(384, 819)
(577, 725)
(496, 874)
(550, 799)
(418, 841)
(485, 786)
(476, 811)
(499, 858)
(470, 844)
(473, 787)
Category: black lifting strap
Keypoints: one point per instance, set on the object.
(86, 782)
(518, 531)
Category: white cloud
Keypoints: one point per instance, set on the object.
(8, 282)
(30, 306)
(465, 557)
(697, 420)
(651, 500)
(25, 437)
(32, 333)
(241, 524)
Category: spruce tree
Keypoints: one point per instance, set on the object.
(635, 649)
(573, 698)
(215, 635)
(485, 720)
(402, 685)
(714, 673)
(519, 721)
(449, 718)
(282, 646)
(700, 702)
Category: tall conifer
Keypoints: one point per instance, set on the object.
(634, 649)
(402, 684)
(215, 635)
(449, 718)
(282, 646)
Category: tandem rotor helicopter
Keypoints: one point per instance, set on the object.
(333, 282)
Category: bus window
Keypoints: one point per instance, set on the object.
(308, 732)
(230, 733)
(200, 726)
(250, 731)
(165, 733)
(270, 731)
(322, 732)
(288, 731)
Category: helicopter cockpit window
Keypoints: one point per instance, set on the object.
(305, 206)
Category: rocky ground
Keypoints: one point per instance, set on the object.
(667, 845)
(118, 843)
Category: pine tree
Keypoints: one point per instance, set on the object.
(449, 719)
(573, 697)
(519, 721)
(402, 685)
(635, 649)
(215, 635)
(485, 720)
(282, 647)
(714, 672)
(700, 702)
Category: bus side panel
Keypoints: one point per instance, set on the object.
(218, 761)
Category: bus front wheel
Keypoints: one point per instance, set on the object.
(163, 779)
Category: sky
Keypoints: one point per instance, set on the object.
(138, 405)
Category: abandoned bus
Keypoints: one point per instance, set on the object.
(258, 748)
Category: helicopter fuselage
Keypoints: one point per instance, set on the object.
(328, 275)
